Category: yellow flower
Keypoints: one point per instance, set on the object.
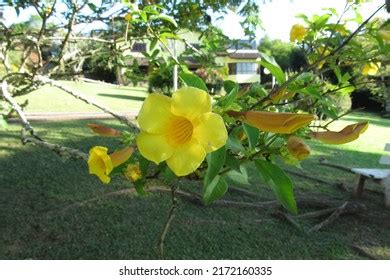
(298, 148)
(128, 17)
(133, 172)
(101, 164)
(384, 34)
(347, 134)
(371, 68)
(180, 130)
(298, 32)
(284, 123)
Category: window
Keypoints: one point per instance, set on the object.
(246, 68)
(243, 68)
(232, 68)
(139, 47)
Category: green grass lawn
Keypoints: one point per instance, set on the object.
(35, 185)
(52, 99)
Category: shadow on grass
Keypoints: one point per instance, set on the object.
(36, 184)
(123, 96)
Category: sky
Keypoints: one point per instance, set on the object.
(277, 16)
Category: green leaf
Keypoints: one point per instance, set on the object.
(270, 63)
(253, 135)
(239, 177)
(164, 18)
(193, 80)
(231, 89)
(139, 187)
(169, 35)
(153, 44)
(215, 190)
(229, 85)
(234, 144)
(280, 183)
(232, 162)
(346, 89)
(143, 16)
(321, 21)
(215, 161)
(92, 6)
(168, 174)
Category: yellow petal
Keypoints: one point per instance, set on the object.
(186, 158)
(210, 131)
(103, 130)
(298, 32)
(190, 102)
(133, 172)
(347, 134)
(298, 148)
(371, 68)
(99, 163)
(121, 156)
(128, 16)
(155, 113)
(154, 147)
(284, 123)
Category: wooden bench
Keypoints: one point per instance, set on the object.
(380, 176)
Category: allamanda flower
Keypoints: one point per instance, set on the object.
(101, 164)
(371, 68)
(298, 32)
(180, 130)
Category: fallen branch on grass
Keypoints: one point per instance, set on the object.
(289, 219)
(351, 208)
(362, 251)
(334, 165)
(340, 210)
(197, 199)
(242, 191)
(337, 185)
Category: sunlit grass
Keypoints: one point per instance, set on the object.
(52, 99)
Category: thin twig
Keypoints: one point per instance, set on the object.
(171, 216)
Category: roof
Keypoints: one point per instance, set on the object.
(243, 55)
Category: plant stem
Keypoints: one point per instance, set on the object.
(170, 217)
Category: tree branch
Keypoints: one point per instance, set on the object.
(121, 118)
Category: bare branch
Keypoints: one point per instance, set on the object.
(35, 139)
(121, 118)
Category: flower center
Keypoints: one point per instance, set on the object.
(179, 131)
